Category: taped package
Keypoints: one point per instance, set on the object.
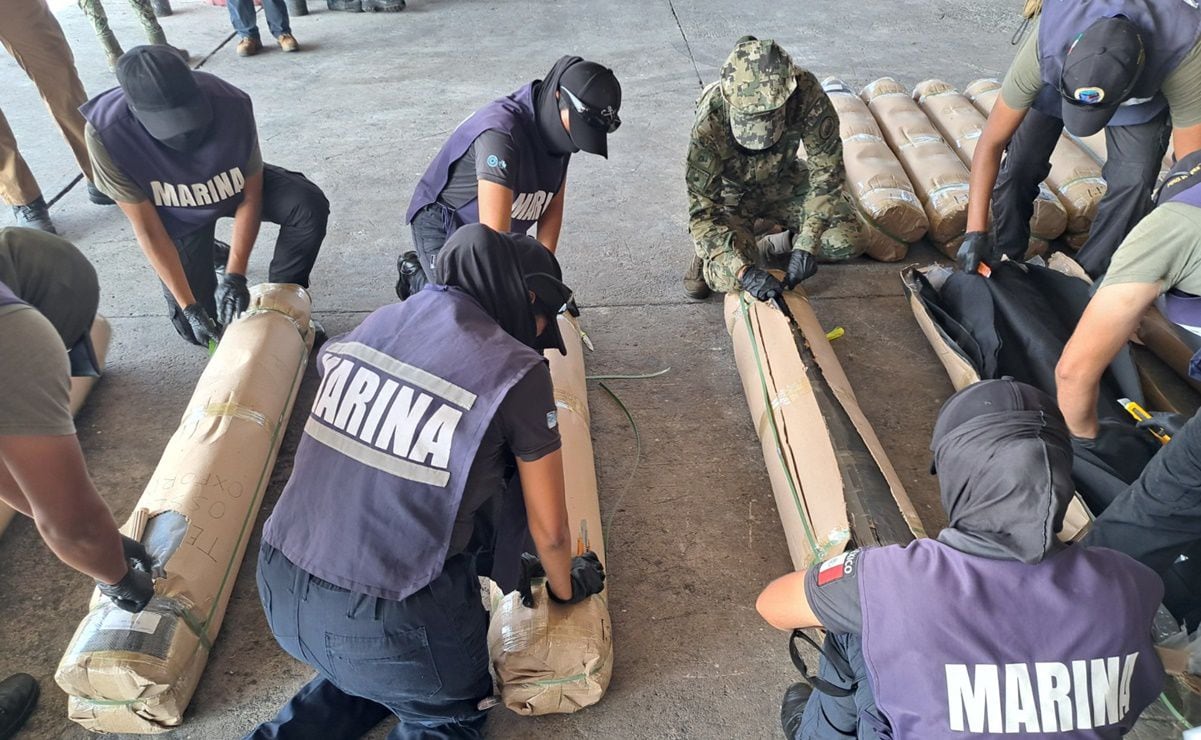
(961, 124)
(137, 672)
(891, 211)
(1075, 176)
(558, 658)
(81, 387)
(830, 476)
(938, 177)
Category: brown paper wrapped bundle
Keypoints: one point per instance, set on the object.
(195, 517)
(554, 658)
(1075, 176)
(938, 176)
(961, 123)
(893, 215)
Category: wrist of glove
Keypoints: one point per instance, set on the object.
(761, 284)
(977, 248)
(135, 590)
(1165, 422)
(587, 579)
(233, 297)
(204, 330)
(802, 265)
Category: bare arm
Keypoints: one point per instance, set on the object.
(784, 604)
(496, 206)
(159, 249)
(1002, 123)
(52, 479)
(1185, 141)
(1108, 322)
(546, 509)
(551, 222)
(247, 220)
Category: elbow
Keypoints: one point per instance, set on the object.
(764, 605)
(1070, 372)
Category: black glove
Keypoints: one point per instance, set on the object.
(761, 284)
(801, 267)
(1164, 421)
(977, 247)
(587, 578)
(232, 297)
(133, 592)
(203, 328)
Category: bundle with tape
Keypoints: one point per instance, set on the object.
(893, 215)
(1075, 176)
(136, 672)
(961, 123)
(558, 658)
(81, 387)
(1097, 145)
(823, 457)
(940, 179)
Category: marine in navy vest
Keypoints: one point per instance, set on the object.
(992, 629)
(191, 189)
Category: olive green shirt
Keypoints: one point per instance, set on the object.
(1164, 248)
(113, 182)
(34, 376)
(1182, 88)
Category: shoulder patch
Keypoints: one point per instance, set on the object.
(552, 419)
(837, 567)
(827, 128)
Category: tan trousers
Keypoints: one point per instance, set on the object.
(34, 38)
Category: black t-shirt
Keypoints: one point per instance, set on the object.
(490, 157)
(526, 425)
(832, 588)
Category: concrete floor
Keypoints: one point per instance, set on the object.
(693, 532)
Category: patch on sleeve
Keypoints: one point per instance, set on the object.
(827, 128)
(552, 419)
(837, 568)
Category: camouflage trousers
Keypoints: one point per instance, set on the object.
(94, 10)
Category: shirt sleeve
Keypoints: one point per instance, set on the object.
(495, 154)
(106, 175)
(1182, 88)
(1164, 248)
(528, 417)
(254, 163)
(832, 589)
(34, 377)
(1024, 80)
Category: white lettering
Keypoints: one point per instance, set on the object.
(1127, 677)
(1020, 707)
(1106, 675)
(400, 425)
(354, 404)
(330, 393)
(377, 410)
(222, 186)
(185, 196)
(201, 192)
(1054, 686)
(978, 700)
(436, 437)
(519, 205)
(1084, 712)
(164, 195)
(239, 181)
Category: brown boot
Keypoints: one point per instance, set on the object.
(694, 280)
(249, 46)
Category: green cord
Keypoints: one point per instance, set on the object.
(642, 376)
(637, 459)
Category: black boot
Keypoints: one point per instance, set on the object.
(35, 215)
(298, 7)
(411, 278)
(18, 697)
(98, 197)
(162, 8)
(383, 6)
(350, 6)
(793, 706)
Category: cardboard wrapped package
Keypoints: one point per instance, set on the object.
(938, 177)
(1075, 176)
(195, 517)
(960, 123)
(554, 658)
(882, 191)
(829, 474)
(81, 387)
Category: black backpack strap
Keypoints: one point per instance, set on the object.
(820, 684)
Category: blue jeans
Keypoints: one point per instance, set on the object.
(829, 717)
(424, 659)
(241, 15)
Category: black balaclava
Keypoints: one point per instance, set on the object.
(546, 109)
(1004, 462)
(484, 264)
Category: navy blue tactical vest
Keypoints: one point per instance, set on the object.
(8, 297)
(1170, 29)
(404, 403)
(958, 645)
(190, 189)
(539, 173)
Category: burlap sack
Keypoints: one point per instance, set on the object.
(893, 215)
(961, 123)
(195, 517)
(1075, 176)
(938, 176)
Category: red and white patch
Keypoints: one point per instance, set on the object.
(836, 567)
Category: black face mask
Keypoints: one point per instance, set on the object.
(189, 141)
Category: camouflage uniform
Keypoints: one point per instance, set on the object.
(94, 10)
(732, 182)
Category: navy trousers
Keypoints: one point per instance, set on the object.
(830, 717)
(424, 659)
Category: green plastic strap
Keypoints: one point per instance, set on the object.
(1184, 723)
(872, 222)
(819, 553)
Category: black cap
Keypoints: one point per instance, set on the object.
(592, 96)
(989, 397)
(1100, 71)
(543, 278)
(162, 92)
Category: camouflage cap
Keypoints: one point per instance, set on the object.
(756, 81)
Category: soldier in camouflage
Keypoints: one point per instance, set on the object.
(744, 165)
